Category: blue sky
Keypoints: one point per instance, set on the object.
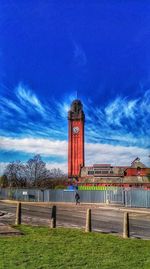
(49, 50)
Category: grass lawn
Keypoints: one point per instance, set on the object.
(44, 248)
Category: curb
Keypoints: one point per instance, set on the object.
(96, 205)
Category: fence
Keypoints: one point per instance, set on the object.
(125, 197)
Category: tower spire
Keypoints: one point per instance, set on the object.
(76, 94)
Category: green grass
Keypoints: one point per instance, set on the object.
(44, 248)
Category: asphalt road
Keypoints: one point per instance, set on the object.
(103, 219)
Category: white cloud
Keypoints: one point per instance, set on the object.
(63, 166)
(115, 155)
(34, 145)
(130, 108)
(63, 109)
(121, 113)
(120, 108)
(94, 153)
(123, 121)
(2, 167)
(7, 104)
(145, 104)
(64, 106)
(25, 95)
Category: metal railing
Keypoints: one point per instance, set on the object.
(132, 197)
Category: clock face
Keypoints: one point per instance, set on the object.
(76, 130)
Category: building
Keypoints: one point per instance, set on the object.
(107, 175)
(136, 173)
(76, 120)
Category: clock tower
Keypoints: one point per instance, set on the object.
(76, 120)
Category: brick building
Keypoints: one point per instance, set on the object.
(96, 173)
(107, 173)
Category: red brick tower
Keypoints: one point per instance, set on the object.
(75, 139)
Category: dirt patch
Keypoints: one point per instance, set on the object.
(2, 214)
(7, 230)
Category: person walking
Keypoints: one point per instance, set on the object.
(77, 198)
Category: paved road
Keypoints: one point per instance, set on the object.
(103, 219)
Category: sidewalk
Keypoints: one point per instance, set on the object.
(84, 205)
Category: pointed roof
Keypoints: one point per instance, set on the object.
(137, 163)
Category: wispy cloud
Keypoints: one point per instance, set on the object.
(79, 55)
(63, 106)
(24, 114)
(119, 109)
(31, 125)
(123, 121)
(25, 95)
(11, 105)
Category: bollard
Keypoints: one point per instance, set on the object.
(126, 225)
(88, 227)
(107, 202)
(18, 214)
(53, 217)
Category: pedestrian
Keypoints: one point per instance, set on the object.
(77, 198)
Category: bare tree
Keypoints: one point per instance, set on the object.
(33, 173)
(3, 181)
(36, 170)
(15, 173)
(56, 173)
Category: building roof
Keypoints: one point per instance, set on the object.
(101, 165)
(137, 163)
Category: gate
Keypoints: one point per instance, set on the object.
(115, 196)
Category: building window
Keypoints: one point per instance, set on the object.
(90, 172)
(104, 172)
(97, 172)
(101, 172)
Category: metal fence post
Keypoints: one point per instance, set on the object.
(88, 227)
(48, 195)
(126, 225)
(124, 197)
(53, 217)
(18, 214)
(146, 198)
